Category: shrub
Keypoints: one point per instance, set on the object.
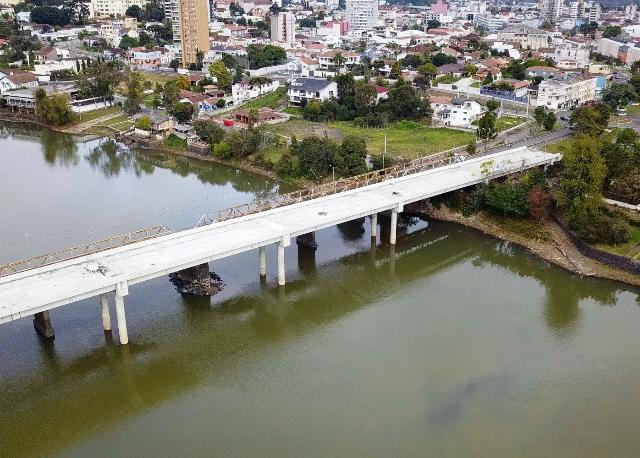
(286, 166)
(605, 227)
(509, 199)
(222, 151)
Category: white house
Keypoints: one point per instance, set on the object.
(311, 88)
(455, 112)
(11, 79)
(252, 88)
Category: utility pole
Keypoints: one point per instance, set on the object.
(384, 153)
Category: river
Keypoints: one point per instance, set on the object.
(454, 345)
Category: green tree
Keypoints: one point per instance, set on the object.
(549, 121)
(612, 31)
(487, 126)
(223, 76)
(134, 92)
(396, 71)
(433, 24)
(143, 123)
(338, 61)
(590, 120)
(619, 95)
(365, 98)
(493, 105)
(208, 131)
(54, 109)
(350, 157)
(428, 70)
(580, 187)
(509, 199)
(403, 102)
(183, 111)
(315, 155)
(622, 154)
(540, 114)
(170, 94)
(127, 42)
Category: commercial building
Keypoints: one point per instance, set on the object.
(566, 94)
(282, 27)
(362, 14)
(527, 37)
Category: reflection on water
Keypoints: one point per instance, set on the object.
(449, 344)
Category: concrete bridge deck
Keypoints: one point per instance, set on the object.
(41, 289)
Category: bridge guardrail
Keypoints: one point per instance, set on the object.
(82, 250)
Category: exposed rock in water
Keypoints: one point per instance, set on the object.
(197, 281)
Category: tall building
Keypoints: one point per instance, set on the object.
(362, 14)
(282, 27)
(550, 10)
(190, 21)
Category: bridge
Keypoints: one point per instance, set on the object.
(33, 287)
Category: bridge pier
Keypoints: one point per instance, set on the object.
(196, 280)
(262, 257)
(42, 324)
(122, 289)
(106, 316)
(394, 226)
(374, 226)
(307, 240)
(285, 242)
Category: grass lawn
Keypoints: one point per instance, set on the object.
(159, 77)
(293, 111)
(95, 114)
(507, 122)
(271, 100)
(406, 139)
(176, 142)
(120, 123)
(558, 147)
(633, 110)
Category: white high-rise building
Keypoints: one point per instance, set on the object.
(172, 13)
(550, 10)
(282, 27)
(362, 14)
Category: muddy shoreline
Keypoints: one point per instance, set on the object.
(557, 250)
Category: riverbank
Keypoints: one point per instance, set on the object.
(550, 244)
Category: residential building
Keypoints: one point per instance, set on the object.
(145, 58)
(302, 90)
(282, 27)
(572, 55)
(11, 79)
(48, 53)
(194, 29)
(265, 116)
(566, 94)
(114, 8)
(527, 37)
(550, 10)
(362, 14)
(455, 111)
(252, 88)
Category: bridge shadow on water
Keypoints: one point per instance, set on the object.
(62, 403)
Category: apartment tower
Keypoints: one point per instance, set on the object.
(362, 14)
(192, 32)
(282, 27)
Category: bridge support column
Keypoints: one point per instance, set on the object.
(374, 226)
(307, 240)
(122, 289)
(285, 242)
(394, 226)
(262, 256)
(42, 324)
(106, 316)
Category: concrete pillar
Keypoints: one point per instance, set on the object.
(262, 255)
(42, 324)
(374, 225)
(281, 270)
(106, 316)
(394, 226)
(307, 240)
(121, 291)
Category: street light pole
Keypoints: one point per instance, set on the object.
(384, 153)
